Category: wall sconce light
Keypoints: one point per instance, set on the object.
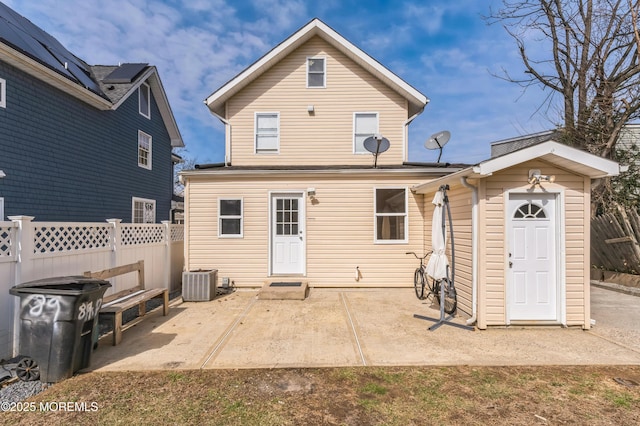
(2, 174)
(535, 177)
(311, 192)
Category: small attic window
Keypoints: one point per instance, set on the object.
(144, 100)
(316, 72)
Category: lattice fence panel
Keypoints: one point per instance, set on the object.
(137, 234)
(59, 238)
(7, 236)
(177, 232)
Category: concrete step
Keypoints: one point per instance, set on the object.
(284, 290)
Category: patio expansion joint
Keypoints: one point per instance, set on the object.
(345, 304)
(215, 351)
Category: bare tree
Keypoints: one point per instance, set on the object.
(591, 63)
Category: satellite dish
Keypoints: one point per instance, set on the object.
(438, 141)
(376, 145)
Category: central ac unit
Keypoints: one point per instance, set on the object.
(199, 286)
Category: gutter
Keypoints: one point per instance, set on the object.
(474, 249)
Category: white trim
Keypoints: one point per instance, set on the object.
(241, 217)
(255, 132)
(376, 214)
(563, 156)
(324, 72)
(3, 93)
(135, 200)
(149, 164)
(1, 209)
(353, 127)
(560, 254)
(603, 167)
(302, 223)
(313, 28)
(140, 100)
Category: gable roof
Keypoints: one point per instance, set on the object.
(33, 51)
(315, 27)
(560, 155)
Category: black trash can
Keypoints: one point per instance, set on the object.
(58, 317)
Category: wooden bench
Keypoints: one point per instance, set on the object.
(114, 305)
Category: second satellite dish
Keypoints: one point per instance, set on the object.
(438, 141)
(376, 145)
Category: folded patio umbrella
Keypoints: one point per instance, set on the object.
(438, 262)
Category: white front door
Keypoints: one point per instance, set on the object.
(287, 234)
(532, 285)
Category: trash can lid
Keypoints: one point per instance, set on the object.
(73, 284)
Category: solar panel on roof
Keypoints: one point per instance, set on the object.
(125, 73)
(23, 35)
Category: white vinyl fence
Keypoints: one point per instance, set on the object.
(35, 250)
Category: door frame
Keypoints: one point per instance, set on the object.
(302, 194)
(560, 255)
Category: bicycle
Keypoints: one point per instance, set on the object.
(421, 280)
(419, 276)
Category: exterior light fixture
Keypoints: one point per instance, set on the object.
(535, 177)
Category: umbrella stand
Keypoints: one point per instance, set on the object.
(444, 319)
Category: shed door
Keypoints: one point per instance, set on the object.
(531, 277)
(287, 234)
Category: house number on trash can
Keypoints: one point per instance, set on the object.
(87, 311)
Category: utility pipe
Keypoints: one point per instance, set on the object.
(474, 248)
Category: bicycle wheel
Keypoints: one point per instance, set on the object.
(418, 283)
(450, 295)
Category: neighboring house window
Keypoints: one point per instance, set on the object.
(144, 150)
(230, 217)
(365, 124)
(267, 132)
(144, 100)
(316, 72)
(3, 93)
(391, 214)
(143, 210)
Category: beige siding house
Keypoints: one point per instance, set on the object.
(298, 196)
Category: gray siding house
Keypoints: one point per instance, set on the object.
(80, 142)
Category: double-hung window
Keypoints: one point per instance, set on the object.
(230, 217)
(3, 93)
(143, 210)
(144, 100)
(391, 219)
(144, 150)
(267, 132)
(316, 72)
(365, 124)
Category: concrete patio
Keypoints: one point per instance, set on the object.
(349, 328)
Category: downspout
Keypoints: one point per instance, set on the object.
(405, 135)
(474, 248)
(227, 137)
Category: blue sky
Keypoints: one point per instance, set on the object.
(441, 47)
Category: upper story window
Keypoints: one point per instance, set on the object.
(365, 124)
(143, 210)
(144, 150)
(267, 132)
(144, 100)
(391, 215)
(316, 72)
(3, 93)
